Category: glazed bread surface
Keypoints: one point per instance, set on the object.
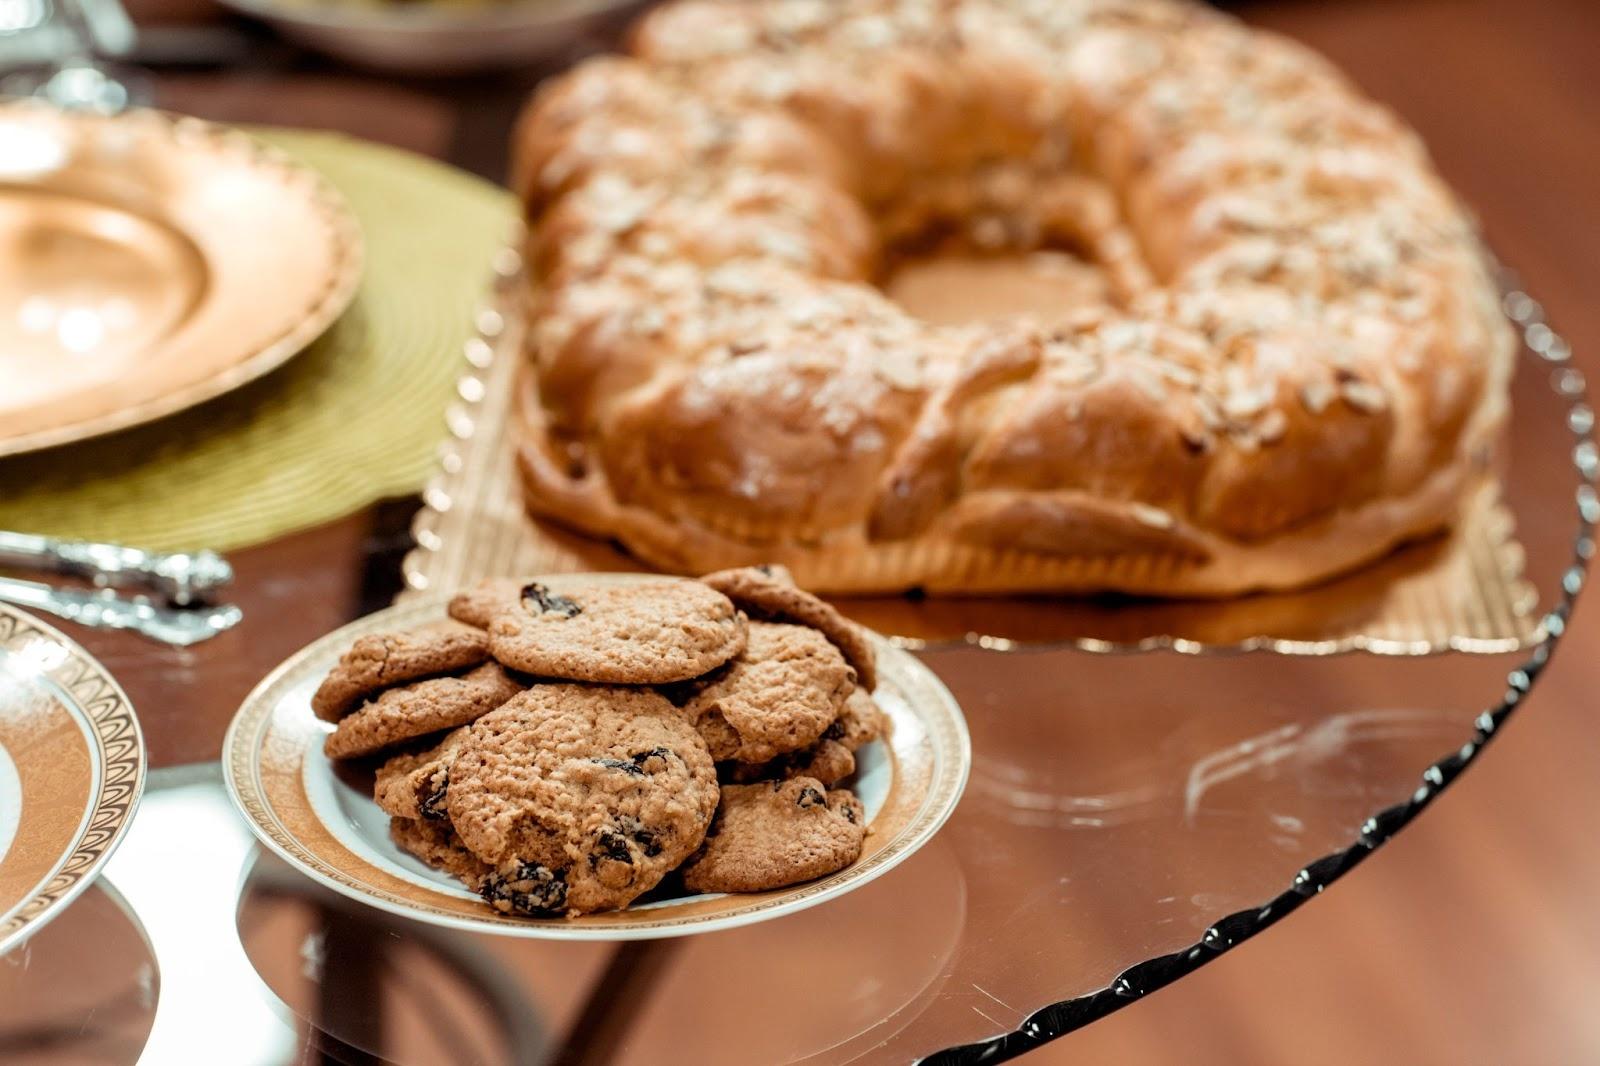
(1293, 358)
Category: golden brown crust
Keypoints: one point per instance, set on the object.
(412, 785)
(777, 696)
(777, 833)
(770, 592)
(1300, 363)
(649, 633)
(380, 660)
(415, 710)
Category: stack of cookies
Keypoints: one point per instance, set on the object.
(563, 748)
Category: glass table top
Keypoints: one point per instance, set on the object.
(1128, 817)
(1121, 810)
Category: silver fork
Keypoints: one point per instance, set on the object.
(183, 585)
(180, 578)
(104, 609)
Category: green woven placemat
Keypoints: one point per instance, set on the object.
(356, 417)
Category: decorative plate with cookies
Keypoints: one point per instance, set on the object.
(599, 756)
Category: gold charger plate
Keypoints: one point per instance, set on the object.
(149, 262)
(72, 767)
(324, 822)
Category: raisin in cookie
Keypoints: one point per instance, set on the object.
(412, 785)
(637, 633)
(779, 695)
(766, 592)
(580, 797)
(860, 722)
(828, 761)
(437, 845)
(421, 708)
(380, 660)
(777, 833)
(478, 605)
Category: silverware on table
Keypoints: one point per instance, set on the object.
(182, 586)
(106, 610)
(180, 578)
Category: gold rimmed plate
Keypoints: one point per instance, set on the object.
(325, 823)
(72, 767)
(150, 262)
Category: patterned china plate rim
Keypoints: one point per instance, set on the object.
(109, 725)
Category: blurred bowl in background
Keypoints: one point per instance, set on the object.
(437, 36)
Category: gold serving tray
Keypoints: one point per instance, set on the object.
(1463, 592)
(149, 262)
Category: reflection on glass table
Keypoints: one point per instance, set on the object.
(82, 990)
(1116, 822)
(179, 869)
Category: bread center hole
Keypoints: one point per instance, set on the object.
(961, 287)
